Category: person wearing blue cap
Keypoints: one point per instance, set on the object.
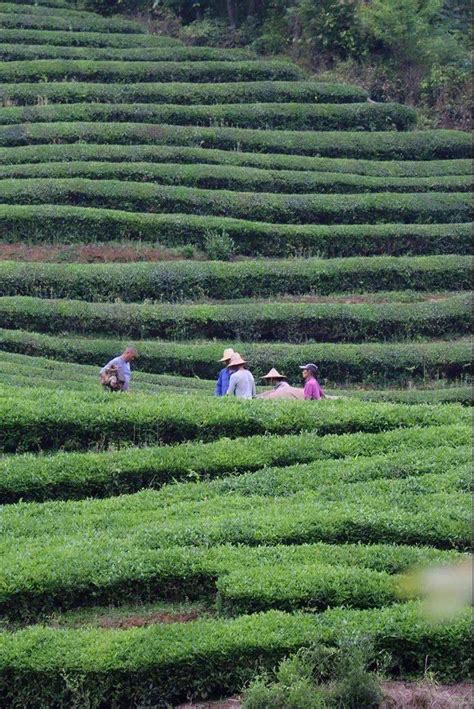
(312, 388)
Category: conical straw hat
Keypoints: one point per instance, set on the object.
(274, 374)
(236, 360)
(228, 354)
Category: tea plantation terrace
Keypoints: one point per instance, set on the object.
(252, 205)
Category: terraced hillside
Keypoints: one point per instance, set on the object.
(167, 544)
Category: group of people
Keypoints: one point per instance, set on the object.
(234, 378)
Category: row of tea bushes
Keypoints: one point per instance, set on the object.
(52, 420)
(78, 475)
(181, 93)
(371, 362)
(70, 38)
(421, 208)
(62, 224)
(269, 161)
(290, 322)
(378, 145)
(67, 21)
(121, 71)
(182, 280)
(249, 179)
(168, 662)
(292, 116)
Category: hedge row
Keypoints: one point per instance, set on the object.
(183, 280)
(246, 179)
(170, 154)
(463, 395)
(69, 23)
(79, 475)
(177, 572)
(45, 3)
(62, 224)
(290, 322)
(85, 39)
(44, 9)
(167, 663)
(181, 92)
(381, 511)
(380, 145)
(293, 116)
(437, 207)
(336, 513)
(120, 71)
(16, 52)
(375, 362)
(55, 420)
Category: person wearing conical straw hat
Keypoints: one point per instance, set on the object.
(222, 383)
(281, 388)
(242, 383)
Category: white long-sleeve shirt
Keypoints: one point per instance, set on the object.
(123, 370)
(242, 385)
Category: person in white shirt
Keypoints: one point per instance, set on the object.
(241, 383)
(281, 388)
(119, 369)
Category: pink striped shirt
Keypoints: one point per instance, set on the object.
(312, 390)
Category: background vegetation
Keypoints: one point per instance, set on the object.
(414, 51)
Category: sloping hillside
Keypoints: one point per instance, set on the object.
(257, 207)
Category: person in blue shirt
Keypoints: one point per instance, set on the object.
(224, 375)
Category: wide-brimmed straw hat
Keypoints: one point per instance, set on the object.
(310, 367)
(274, 374)
(228, 354)
(236, 360)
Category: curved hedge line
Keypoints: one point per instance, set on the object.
(45, 3)
(246, 179)
(16, 52)
(293, 116)
(119, 71)
(44, 9)
(181, 92)
(374, 362)
(173, 154)
(145, 665)
(384, 145)
(79, 475)
(69, 23)
(193, 280)
(437, 207)
(85, 39)
(62, 224)
(290, 322)
(72, 420)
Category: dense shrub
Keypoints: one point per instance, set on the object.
(180, 92)
(77, 69)
(421, 208)
(193, 280)
(294, 116)
(373, 362)
(379, 145)
(63, 224)
(248, 179)
(145, 665)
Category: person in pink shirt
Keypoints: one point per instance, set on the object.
(312, 388)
